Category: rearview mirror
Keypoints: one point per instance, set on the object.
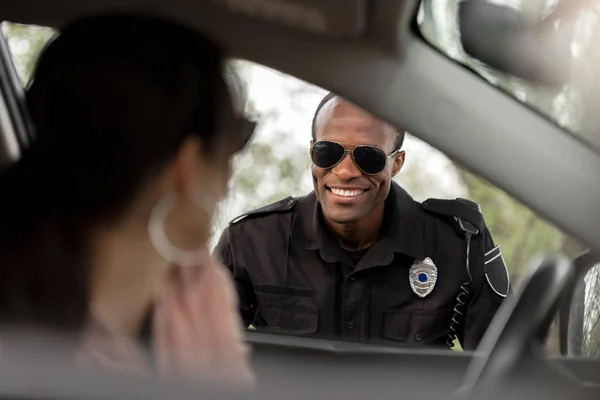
(508, 39)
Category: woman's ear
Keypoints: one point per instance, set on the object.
(189, 222)
(186, 169)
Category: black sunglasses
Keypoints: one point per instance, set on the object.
(370, 160)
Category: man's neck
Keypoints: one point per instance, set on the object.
(358, 235)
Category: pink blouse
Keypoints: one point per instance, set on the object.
(197, 332)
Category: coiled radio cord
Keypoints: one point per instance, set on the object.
(461, 299)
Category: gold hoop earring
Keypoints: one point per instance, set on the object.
(161, 243)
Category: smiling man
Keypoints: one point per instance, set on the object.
(358, 259)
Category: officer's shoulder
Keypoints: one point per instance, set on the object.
(455, 208)
(495, 270)
(282, 206)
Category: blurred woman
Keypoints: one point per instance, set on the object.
(107, 216)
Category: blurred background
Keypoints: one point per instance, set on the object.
(276, 164)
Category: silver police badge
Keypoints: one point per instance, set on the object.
(422, 277)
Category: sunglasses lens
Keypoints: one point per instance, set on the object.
(370, 160)
(327, 154)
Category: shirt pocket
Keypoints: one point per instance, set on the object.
(417, 327)
(287, 310)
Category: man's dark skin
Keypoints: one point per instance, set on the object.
(339, 262)
(355, 222)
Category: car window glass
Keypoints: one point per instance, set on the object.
(277, 164)
(591, 327)
(584, 316)
(566, 39)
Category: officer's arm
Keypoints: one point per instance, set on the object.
(492, 287)
(247, 297)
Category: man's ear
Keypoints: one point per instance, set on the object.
(398, 162)
(310, 148)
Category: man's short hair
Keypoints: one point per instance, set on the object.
(400, 133)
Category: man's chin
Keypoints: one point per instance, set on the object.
(341, 216)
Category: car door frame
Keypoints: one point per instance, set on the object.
(16, 128)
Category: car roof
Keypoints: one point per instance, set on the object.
(378, 61)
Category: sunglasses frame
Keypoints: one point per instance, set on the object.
(351, 152)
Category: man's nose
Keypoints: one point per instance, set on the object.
(346, 169)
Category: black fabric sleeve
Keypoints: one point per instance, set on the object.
(245, 290)
(490, 286)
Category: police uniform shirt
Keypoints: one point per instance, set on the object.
(293, 277)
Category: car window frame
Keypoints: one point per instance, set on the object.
(16, 128)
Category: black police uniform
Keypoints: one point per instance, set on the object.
(292, 277)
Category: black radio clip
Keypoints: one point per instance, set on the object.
(468, 222)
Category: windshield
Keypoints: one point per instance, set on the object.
(555, 39)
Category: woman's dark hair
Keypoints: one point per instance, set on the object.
(113, 97)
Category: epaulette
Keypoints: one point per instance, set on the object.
(284, 205)
(459, 208)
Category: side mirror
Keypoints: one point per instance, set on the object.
(580, 312)
(508, 40)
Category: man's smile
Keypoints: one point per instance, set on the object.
(346, 193)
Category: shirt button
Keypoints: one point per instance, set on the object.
(350, 325)
(418, 337)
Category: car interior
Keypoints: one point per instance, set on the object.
(376, 54)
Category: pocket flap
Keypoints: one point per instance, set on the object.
(288, 314)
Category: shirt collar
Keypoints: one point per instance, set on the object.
(404, 223)
(402, 232)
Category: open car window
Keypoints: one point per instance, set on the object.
(277, 163)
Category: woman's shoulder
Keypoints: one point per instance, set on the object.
(198, 327)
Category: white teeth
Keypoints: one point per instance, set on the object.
(346, 193)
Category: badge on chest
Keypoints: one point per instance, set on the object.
(422, 277)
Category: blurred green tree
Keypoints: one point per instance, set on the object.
(520, 233)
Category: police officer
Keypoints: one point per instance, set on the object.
(358, 259)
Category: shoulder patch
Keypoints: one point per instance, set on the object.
(459, 208)
(284, 205)
(496, 272)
